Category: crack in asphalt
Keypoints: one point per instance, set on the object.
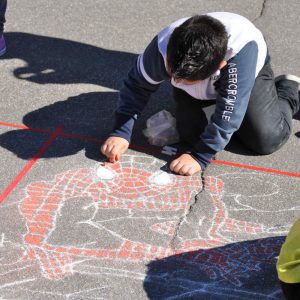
(186, 213)
(262, 10)
(194, 199)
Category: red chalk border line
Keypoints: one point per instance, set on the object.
(58, 132)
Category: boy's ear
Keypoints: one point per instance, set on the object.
(223, 63)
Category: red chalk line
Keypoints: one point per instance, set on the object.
(255, 168)
(25, 127)
(154, 149)
(30, 164)
(59, 132)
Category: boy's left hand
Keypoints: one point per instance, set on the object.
(185, 165)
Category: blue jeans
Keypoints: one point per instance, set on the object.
(3, 4)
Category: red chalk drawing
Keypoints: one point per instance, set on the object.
(130, 185)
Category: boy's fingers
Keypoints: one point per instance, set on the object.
(190, 171)
(115, 154)
(106, 148)
(175, 166)
(184, 170)
(112, 159)
(180, 170)
(123, 150)
(103, 148)
(113, 149)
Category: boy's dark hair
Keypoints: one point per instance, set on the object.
(196, 48)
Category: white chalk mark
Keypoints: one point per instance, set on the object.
(2, 239)
(161, 178)
(47, 71)
(94, 270)
(18, 269)
(69, 295)
(104, 173)
(16, 283)
(99, 226)
(200, 222)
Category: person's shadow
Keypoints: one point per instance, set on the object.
(243, 270)
(52, 60)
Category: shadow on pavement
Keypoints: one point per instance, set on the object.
(52, 60)
(83, 115)
(243, 270)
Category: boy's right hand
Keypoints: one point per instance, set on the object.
(114, 147)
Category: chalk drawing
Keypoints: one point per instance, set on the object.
(235, 271)
(133, 212)
(131, 186)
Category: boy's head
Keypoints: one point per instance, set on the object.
(197, 48)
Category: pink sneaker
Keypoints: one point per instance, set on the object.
(2, 45)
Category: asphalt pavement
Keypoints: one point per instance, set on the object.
(73, 227)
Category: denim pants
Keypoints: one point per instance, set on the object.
(3, 4)
(268, 120)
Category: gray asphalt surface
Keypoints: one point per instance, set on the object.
(72, 228)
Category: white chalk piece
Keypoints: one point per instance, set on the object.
(161, 178)
(104, 173)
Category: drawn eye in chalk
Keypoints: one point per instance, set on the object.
(104, 173)
(161, 178)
